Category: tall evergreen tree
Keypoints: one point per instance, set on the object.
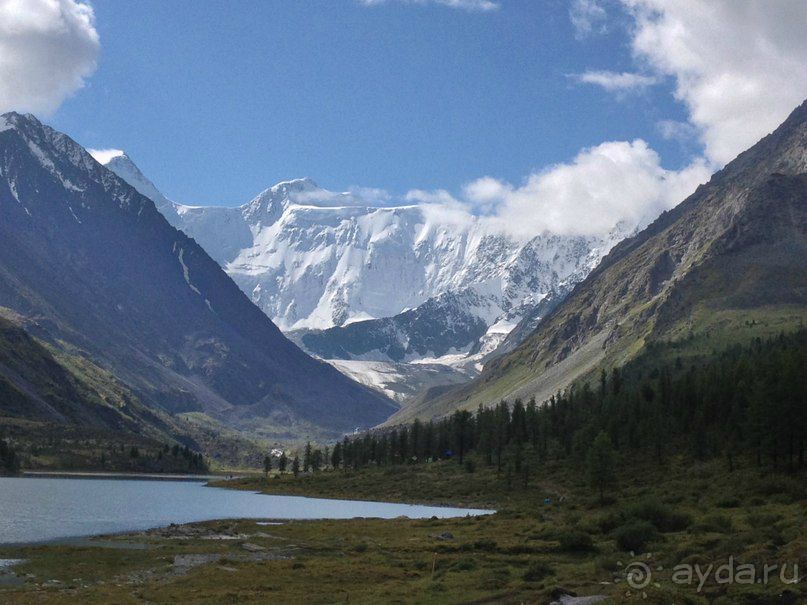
(602, 464)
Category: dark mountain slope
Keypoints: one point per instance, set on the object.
(732, 254)
(437, 327)
(36, 385)
(103, 274)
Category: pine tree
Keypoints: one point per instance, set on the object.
(744, 402)
(307, 457)
(336, 455)
(602, 464)
(461, 421)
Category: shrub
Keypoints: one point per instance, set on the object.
(576, 541)
(466, 564)
(778, 485)
(361, 547)
(485, 545)
(761, 520)
(610, 521)
(661, 516)
(537, 572)
(520, 549)
(608, 563)
(728, 502)
(496, 578)
(636, 535)
(719, 524)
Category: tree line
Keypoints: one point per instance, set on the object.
(745, 403)
(9, 461)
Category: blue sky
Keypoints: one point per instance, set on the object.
(217, 100)
(559, 115)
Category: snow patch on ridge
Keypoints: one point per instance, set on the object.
(104, 156)
(185, 272)
(313, 259)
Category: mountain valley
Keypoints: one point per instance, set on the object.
(356, 283)
(726, 264)
(95, 271)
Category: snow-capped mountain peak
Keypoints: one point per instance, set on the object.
(377, 284)
(315, 259)
(295, 186)
(121, 164)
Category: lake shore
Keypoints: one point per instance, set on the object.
(548, 536)
(46, 508)
(56, 474)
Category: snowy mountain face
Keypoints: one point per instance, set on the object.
(461, 328)
(354, 281)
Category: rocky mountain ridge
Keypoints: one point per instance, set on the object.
(353, 281)
(97, 270)
(729, 260)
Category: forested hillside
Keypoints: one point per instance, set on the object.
(745, 403)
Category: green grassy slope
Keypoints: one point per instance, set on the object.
(62, 411)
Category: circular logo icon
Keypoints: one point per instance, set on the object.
(638, 575)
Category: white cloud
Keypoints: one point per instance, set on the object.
(103, 156)
(739, 65)
(485, 194)
(47, 49)
(587, 16)
(613, 182)
(442, 208)
(675, 130)
(739, 69)
(616, 82)
(371, 195)
(469, 5)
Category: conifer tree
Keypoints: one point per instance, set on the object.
(307, 457)
(602, 464)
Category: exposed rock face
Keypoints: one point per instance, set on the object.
(353, 281)
(733, 249)
(101, 272)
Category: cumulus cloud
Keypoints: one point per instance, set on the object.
(613, 182)
(485, 194)
(587, 17)
(469, 5)
(616, 181)
(738, 68)
(738, 65)
(615, 81)
(47, 49)
(371, 195)
(440, 207)
(676, 130)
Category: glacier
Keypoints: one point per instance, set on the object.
(315, 260)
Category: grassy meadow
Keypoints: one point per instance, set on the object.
(550, 535)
